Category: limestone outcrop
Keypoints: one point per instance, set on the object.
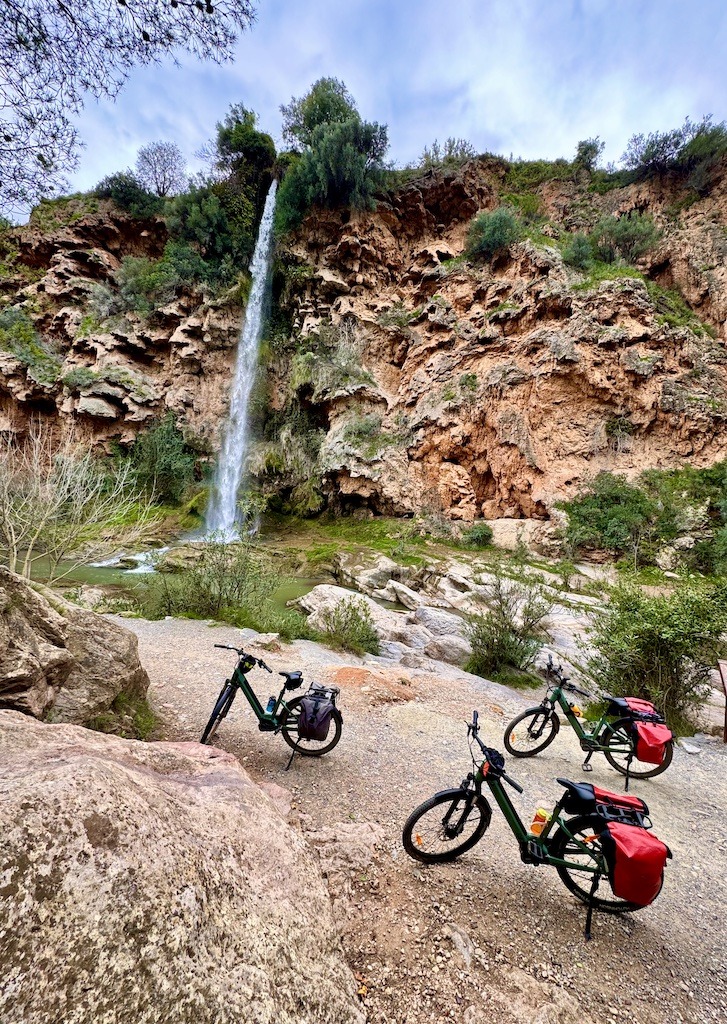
(155, 883)
(474, 390)
(55, 655)
(495, 389)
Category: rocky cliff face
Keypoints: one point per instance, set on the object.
(498, 388)
(488, 389)
(132, 367)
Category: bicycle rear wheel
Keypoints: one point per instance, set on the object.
(446, 826)
(619, 746)
(531, 732)
(223, 705)
(309, 748)
(583, 847)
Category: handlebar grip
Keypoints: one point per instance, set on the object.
(262, 664)
(223, 646)
(475, 719)
(511, 782)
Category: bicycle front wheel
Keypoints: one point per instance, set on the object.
(446, 826)
(582, 849)
(223, 705)
(531, 732)
(619, 745)
(309, 748)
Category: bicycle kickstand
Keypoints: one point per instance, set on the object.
(589, 915)
(287, 767)
(587, 766)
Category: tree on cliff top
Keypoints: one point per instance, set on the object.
(161, 168)
(342, 159)
(53, 54)
(327, 102)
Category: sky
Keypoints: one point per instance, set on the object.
(515, 77)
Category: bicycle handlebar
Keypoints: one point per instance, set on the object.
(241, 652)
(552, 670)
(473, 729)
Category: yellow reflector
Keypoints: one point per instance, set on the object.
(418, 839)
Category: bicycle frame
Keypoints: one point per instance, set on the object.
(534, 849)
(588, 737)
(267, 721)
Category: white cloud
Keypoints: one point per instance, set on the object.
(511, 75)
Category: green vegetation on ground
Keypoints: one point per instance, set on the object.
(635, 519)
(662, 648)
(506, 638)
(348, 625)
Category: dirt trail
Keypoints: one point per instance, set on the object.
(487, 938)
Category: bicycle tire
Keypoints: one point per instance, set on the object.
(586, 828)
(221, 708)
(618, 742)
(414, 839)
(549, 729)
(289, 729)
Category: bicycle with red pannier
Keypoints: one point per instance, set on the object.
(599, 842)
(631, 734)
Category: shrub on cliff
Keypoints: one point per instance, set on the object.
(578, 252)
(125, 189)
(342, 168)
(691, 151)
(489, 233)
(341, 158)
(624, 238)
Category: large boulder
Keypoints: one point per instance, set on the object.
(154, 883)
(56, 655)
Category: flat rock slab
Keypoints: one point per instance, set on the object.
(155, 883)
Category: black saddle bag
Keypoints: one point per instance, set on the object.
(316, 711)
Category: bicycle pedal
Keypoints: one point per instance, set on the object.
(586, 767)
(533, 853)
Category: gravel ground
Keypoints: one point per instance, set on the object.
(486, 937)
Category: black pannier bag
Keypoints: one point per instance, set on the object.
(636, 860)
(316, 711)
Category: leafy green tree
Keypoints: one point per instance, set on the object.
(327, 102)
(342, 167)
(239, 144)
(588, 152)
(489, 233)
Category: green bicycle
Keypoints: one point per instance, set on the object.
(280, 715)
(451, 822)
(616, 734)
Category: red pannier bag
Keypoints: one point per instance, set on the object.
(644, 707)
(636, 860)
(651, 741)
(584, 798)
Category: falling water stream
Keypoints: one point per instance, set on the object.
(222, 512)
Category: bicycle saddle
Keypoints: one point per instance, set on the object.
(292, 679)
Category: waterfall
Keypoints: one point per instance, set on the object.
(222, 509)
